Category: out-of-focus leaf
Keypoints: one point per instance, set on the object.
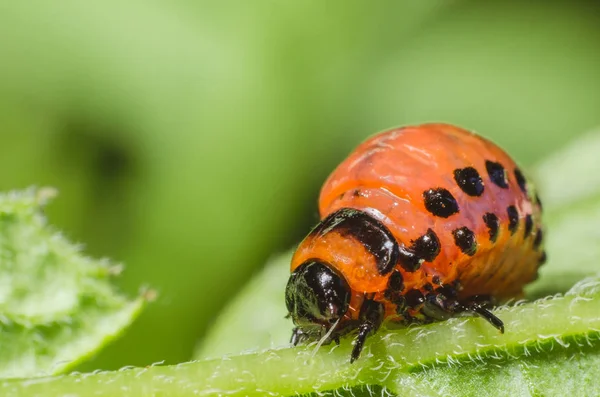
(571, 175)
(57, 306)
(255, 319)
(570, 190)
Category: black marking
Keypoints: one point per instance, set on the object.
(538, 201)
(464, 238)
(493, 224)
(528, 225)
(356, 193)
(513, 218)
(538, 238)
(409, 260)
(497, 174)
(373, 234)
(426, 247)
(521, 180)
(396, 281)
(428, 287)
(436, 280)
(469, 181)
(414, 298)
(440, 202)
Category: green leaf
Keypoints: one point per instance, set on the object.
(570, 190)
(570, 176)
(255, 319)
(463, 356)
(57, 307)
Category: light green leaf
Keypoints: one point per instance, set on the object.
(571, 176)
(569, 182)
(57, 306)
(255, 319)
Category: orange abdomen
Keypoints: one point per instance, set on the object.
(454, 200)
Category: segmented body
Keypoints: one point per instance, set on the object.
(466, 220)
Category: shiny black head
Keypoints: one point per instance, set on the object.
(316, 295)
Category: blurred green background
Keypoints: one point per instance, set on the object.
(189, 139)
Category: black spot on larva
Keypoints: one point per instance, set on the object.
(440, 202)
(493, 224)
(428, 287)
(356, 193)
(528, 225)
(513, 218)
(396, 281)
(362, 227)
(497, 174)
(414, 298)
(538, 201)
(436, 280)
(426, 247)
(521, 180)
(539, 236)
(464, 238)
(409, 260)
(469, 181)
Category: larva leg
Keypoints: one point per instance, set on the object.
(370, 317)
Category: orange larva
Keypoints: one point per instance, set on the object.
(418, 224)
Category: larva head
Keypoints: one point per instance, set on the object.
(316, 295)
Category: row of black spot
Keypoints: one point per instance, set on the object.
(427, 247)
(440, 202)
(471, 183)
(464, 238)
